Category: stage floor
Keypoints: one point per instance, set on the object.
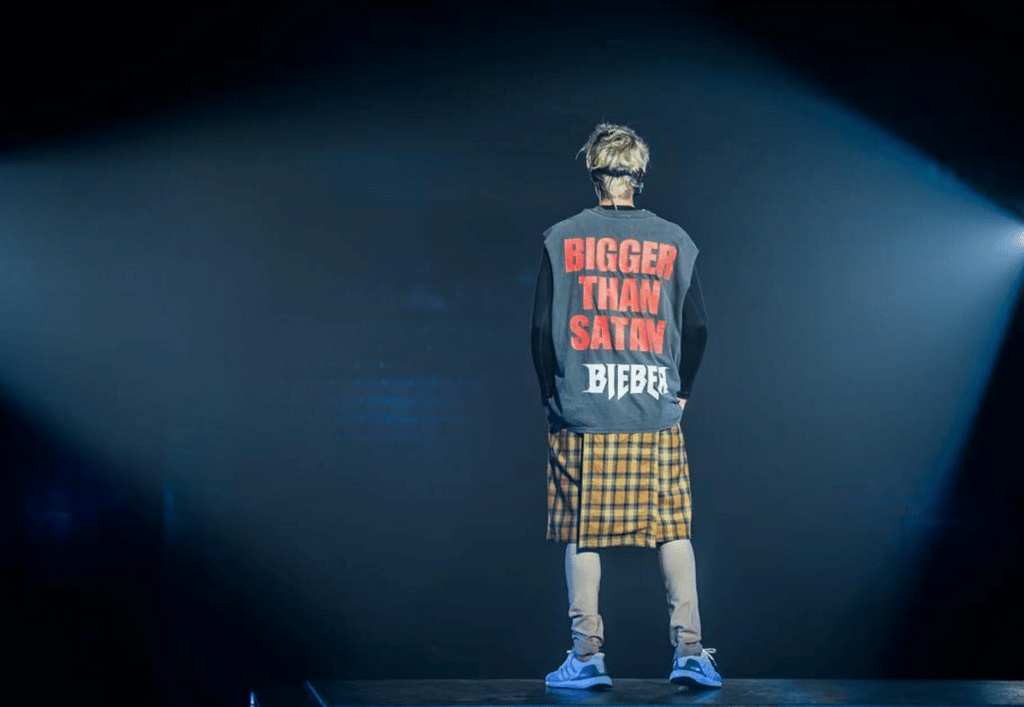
(876, 693)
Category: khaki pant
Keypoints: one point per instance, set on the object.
(583, 577)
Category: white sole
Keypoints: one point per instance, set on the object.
(583, 684)
(685, 678)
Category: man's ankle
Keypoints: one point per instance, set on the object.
(685, 650)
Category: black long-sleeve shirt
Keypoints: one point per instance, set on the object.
(694, 333)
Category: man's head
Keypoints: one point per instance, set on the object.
(619, 157)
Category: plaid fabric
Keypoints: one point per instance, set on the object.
(618, 488)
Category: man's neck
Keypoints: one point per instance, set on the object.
(616, 202)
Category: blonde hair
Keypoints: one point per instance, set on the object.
(615, 147)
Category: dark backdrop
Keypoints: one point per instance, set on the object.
(270, 412)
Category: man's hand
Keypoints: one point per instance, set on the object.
(682, 403)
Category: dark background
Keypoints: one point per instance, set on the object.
(266, 277)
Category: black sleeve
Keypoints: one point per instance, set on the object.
(695, 335)
(542, 345)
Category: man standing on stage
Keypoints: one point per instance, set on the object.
(618, 335)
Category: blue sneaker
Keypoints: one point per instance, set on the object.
(580, 674)
(696, 670)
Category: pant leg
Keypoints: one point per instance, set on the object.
(679, 570)
(583, 579)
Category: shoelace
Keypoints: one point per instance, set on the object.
(565, 672)
(706, 652)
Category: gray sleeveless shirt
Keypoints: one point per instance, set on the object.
(619, 282)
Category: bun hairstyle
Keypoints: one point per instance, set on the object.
(616, 159)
